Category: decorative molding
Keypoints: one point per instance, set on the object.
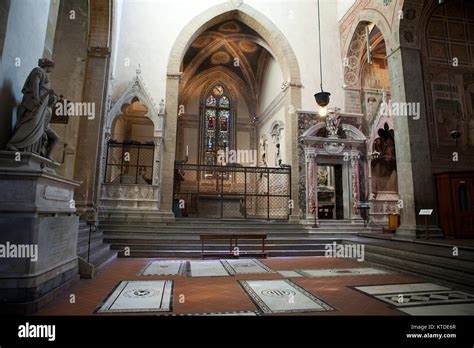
(334, 148)
(137, 90)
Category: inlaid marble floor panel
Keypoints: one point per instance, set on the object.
(422, 298)
(446, 309)
(139, 296)
(206, 268)
(164, 267)
(282, 296)
(315, 273)
(290, 274)
(245, 266)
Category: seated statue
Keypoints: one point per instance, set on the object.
(32, 132)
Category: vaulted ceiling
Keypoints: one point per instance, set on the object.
(232, 49)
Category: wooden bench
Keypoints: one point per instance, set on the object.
(233, 244)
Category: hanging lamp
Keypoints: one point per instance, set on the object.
(322, 98)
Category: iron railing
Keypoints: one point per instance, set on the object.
(232, 191)
(129, 163)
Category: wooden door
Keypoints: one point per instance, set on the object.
(463, 199)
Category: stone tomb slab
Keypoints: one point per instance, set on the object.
(136, 296)
(164, 267)
(206, 268)
(440, 310)
(246, 266)
(422, 298)
(282, 296)
(316, 273)
(290, 274)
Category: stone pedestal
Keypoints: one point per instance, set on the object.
(37, 219)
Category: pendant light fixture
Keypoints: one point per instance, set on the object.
(455, 133)
(322, 98)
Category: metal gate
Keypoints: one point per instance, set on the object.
(232, 192)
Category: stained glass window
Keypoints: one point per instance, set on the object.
(211, 101)
(217, 124)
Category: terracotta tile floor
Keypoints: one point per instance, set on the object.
(224, 294)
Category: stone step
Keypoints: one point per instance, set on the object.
(96, 252)
(95, 246)
(215, 247)
(158, 239)
(223, 224)
(447, 263)
(204, 229)
(84, 239)
(431, 262)
(102, 259)
(100, 253)
(229, 230)
(195, 235)
(193, 254)
(430, 271)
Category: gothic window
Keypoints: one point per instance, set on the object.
(217, 124)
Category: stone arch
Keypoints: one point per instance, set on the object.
(353, 132)
(276, 128)
(284, 55)
(136, 91)
(278, 43)
(313, 130)
(355, 47)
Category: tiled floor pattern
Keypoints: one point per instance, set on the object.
(224, 295)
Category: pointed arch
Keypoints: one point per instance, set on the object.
(283, 54)
(278, 43)
(136, 91)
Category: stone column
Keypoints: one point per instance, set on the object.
(416, 185)
(311, 185)
(291, 143)
(355, 212)
(90, 138)
(169, 143)
(157, 161)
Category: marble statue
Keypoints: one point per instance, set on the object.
(32, 132)
(332, 124)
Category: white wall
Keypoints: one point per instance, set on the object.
(343, 6)
(24, 44)
(149, 29)
(271, 85)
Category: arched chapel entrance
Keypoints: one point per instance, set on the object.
(215, 119)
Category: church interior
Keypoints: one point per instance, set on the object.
(237, 158)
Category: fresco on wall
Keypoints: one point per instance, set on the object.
(448, 113)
